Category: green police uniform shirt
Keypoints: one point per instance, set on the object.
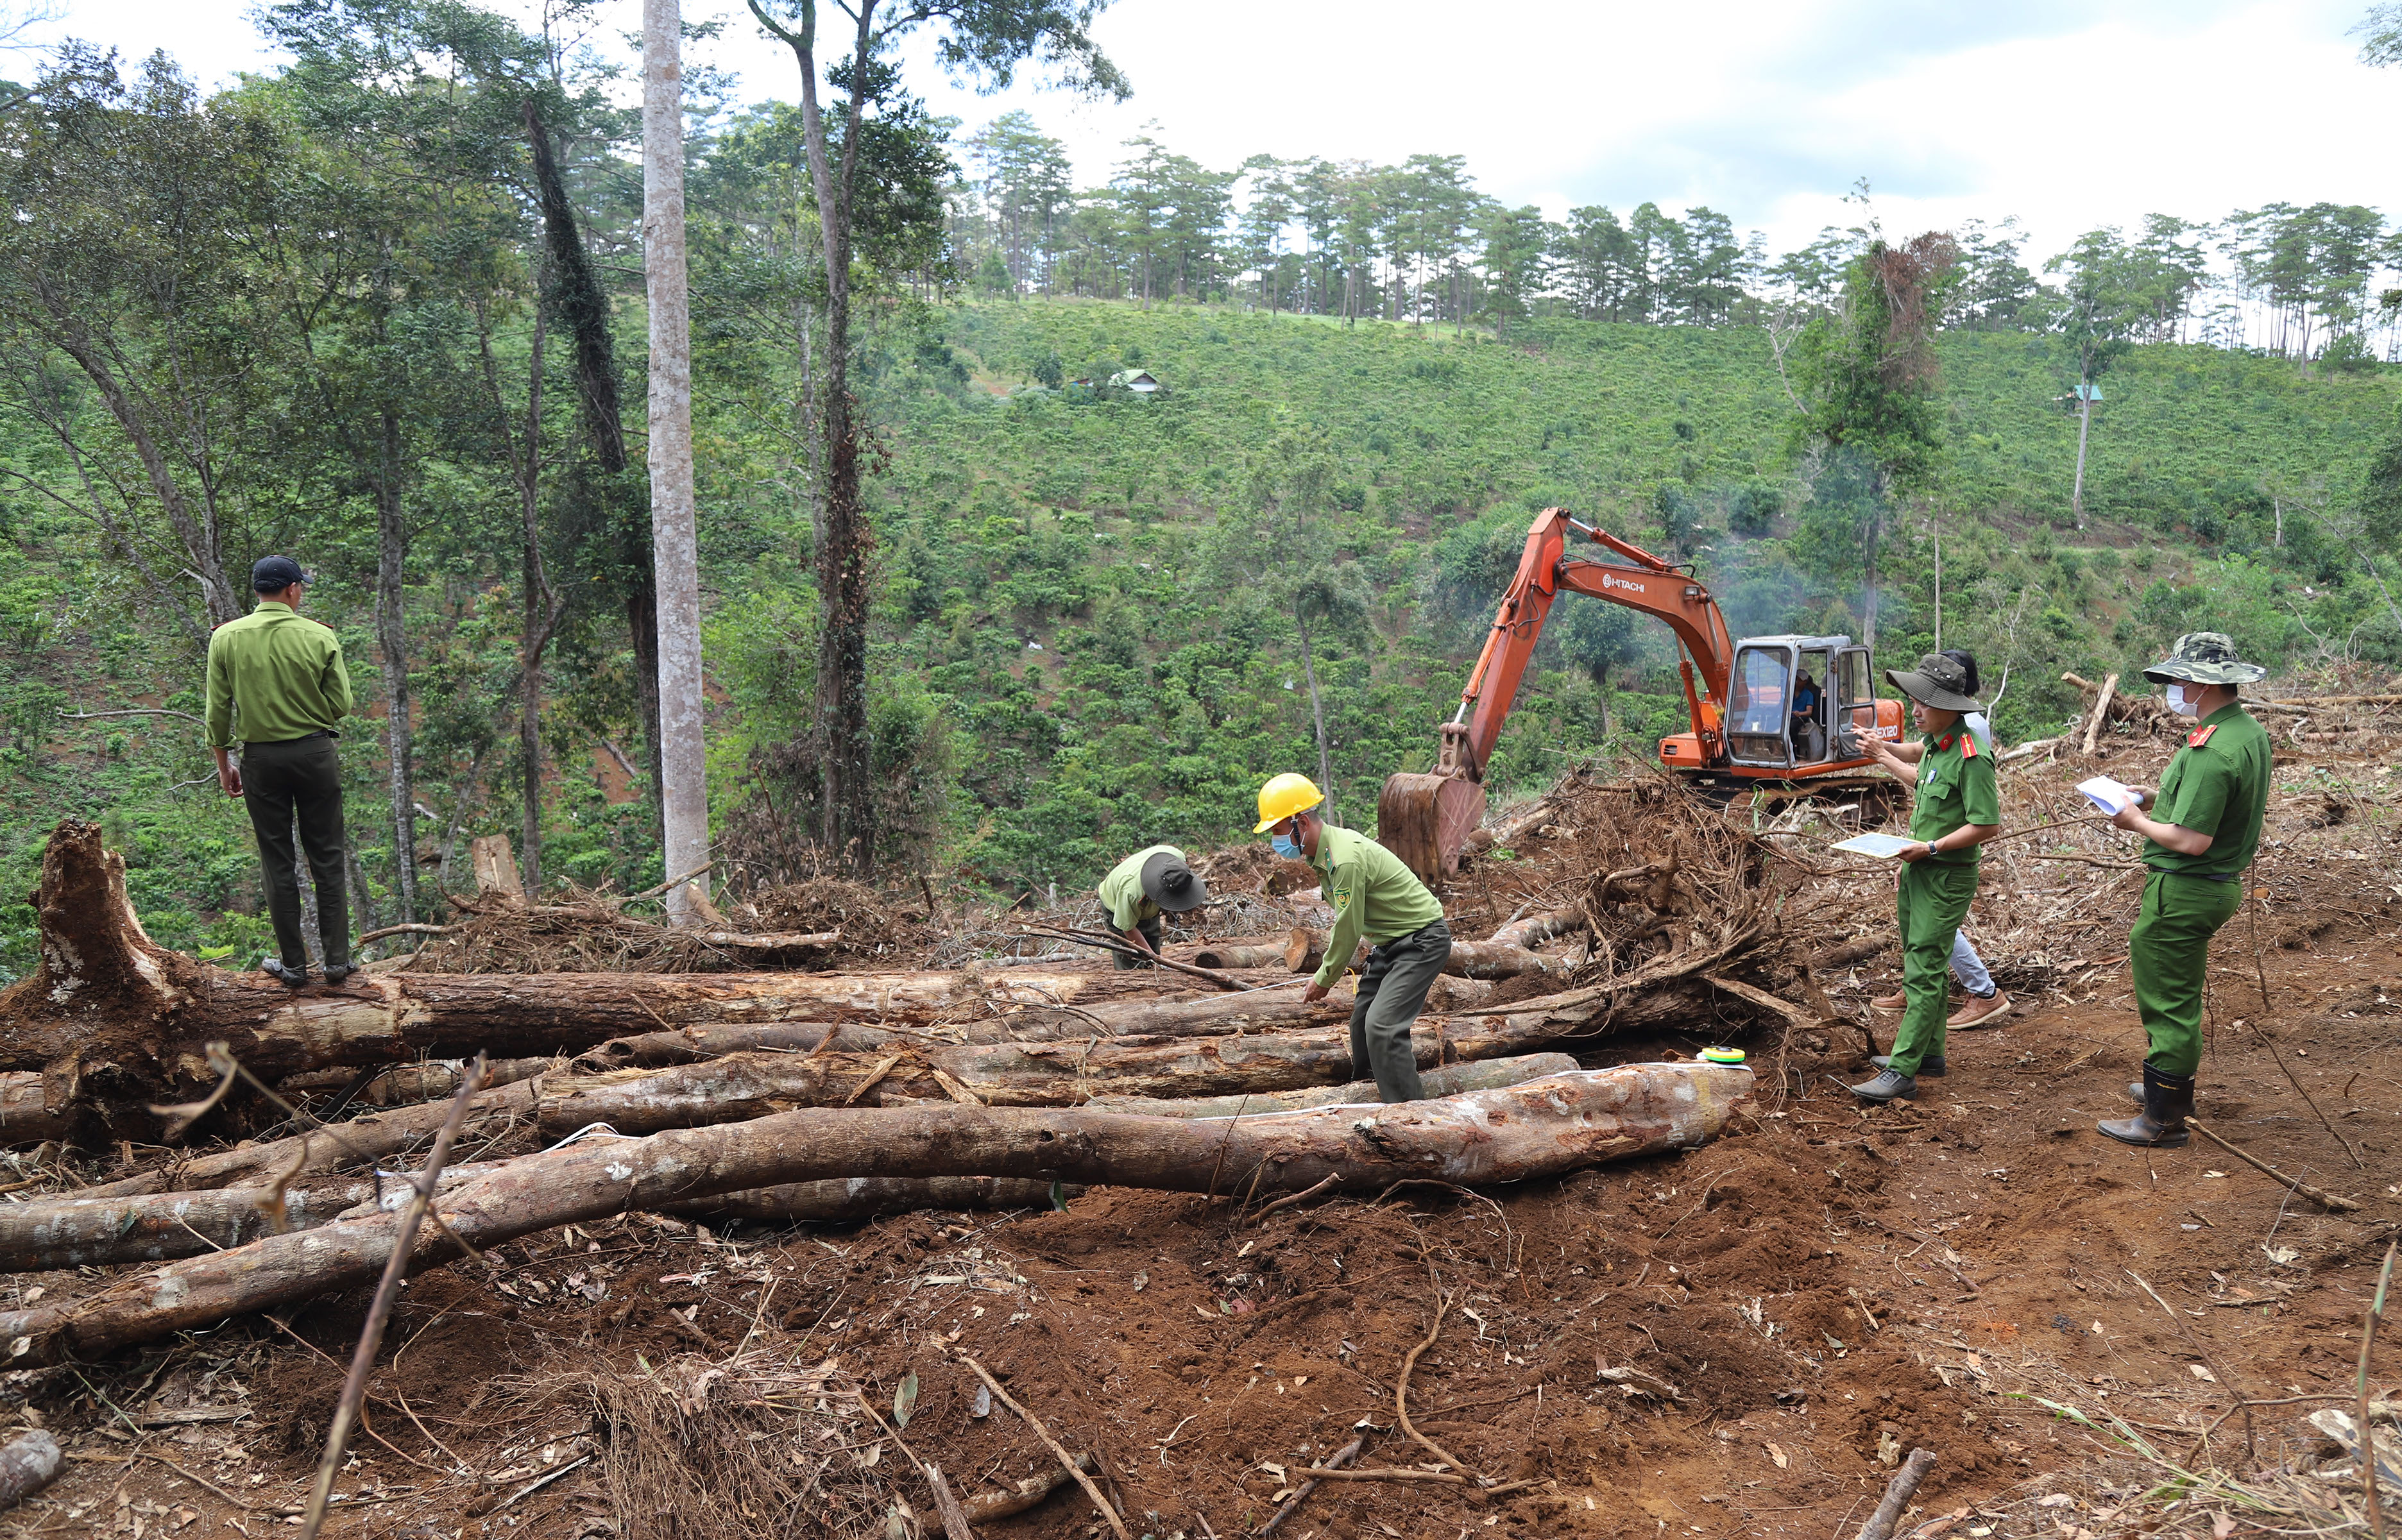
(1373, 893)
(1955, 787)
(274, 677)
(2216, 785)
(1121, 891)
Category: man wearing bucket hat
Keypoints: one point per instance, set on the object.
(2202, 828)
(1144, 888)
(1956, 807)
(1374, 895)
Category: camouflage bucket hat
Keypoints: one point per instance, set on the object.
(2204, 657)
(1938, 681)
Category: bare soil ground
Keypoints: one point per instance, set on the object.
(1801, 1301)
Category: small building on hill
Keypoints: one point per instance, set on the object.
(1137, 381)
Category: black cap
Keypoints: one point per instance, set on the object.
(273, 574)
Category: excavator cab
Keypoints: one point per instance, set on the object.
(1794, 702)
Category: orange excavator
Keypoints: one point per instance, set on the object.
(1782, 710)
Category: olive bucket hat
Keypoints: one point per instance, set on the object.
(1938, 681)
(2204, 657)
(1173, 886)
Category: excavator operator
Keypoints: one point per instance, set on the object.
(1809, 732)
(1374, 895)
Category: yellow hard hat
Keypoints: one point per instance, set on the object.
(1285, 795)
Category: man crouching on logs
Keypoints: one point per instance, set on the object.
(1374, 895)
(2212, 800)
(1957, 806)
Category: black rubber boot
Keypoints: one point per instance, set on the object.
(1928, 1069)
(2168, 1101)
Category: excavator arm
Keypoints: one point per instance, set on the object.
(1425, 818)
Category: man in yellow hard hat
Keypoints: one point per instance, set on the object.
(1374, 895)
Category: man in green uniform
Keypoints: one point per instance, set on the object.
(1957, 808)
(277, 686)
(2203, 831)
(1374, 895)
(1144, 888)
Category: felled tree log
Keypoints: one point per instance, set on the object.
(23, 1119)
(1449, 1080)
(1534, 929)
(851, 1199)
(62, 1232)
(1226, 954)
(1492, 961)
(1305, 950)
(115, 1021)
(743, 1086)
(1540, 1129)
(406, 1085)
(42, 1237)
(377, 1136)
(1199, 1015)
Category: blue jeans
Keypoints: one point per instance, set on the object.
(1969, 969)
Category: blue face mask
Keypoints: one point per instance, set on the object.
(1284, 846)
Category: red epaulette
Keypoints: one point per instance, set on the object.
(1967, 745)
(2200, 735)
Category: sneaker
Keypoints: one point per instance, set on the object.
(1887, 1087)
(1887, 1002)
(336, 975)
(291, 978)
(1929, 1069)
(1980, 1011)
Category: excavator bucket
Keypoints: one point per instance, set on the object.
(1425, 819)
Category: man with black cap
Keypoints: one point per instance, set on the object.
(2204, 830)
(277, 685)
(1141, 888)
(1957, 806)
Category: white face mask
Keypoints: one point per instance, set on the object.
(2185, 704)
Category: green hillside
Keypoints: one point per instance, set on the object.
(1088, 632)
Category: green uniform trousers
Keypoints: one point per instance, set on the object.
(1154, 931)
(300, 779)
(1392, 992)
(2169, 953)
(1932, 902)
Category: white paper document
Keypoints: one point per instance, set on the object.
(1885, 845)
(2107, 794)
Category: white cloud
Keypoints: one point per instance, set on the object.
(2069, 115)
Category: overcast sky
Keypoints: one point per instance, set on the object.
(2067, 113)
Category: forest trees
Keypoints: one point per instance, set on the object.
(991, 38)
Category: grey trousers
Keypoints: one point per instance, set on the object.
(1392, 992)
(302, 779)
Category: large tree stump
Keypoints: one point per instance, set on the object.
(113, 1021)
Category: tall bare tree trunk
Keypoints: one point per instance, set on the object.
(392, 644)
(683, 785)
(1317, 715)
(584, 305)
(846, 765)
(2084, 425)
(540, 613)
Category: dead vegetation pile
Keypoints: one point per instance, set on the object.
(585, 931)
(875, 925)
